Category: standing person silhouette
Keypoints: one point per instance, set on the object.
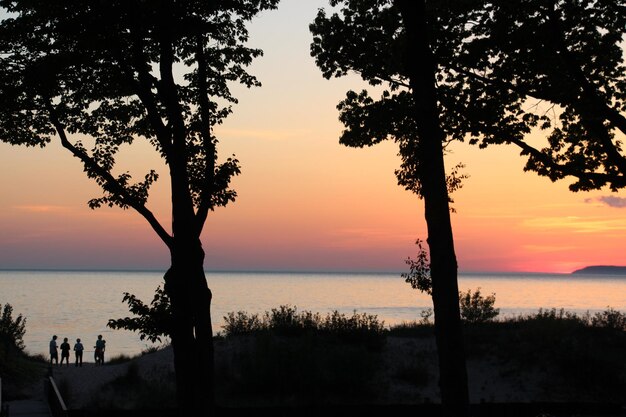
(54, 354)
(78, 351)
(65, 352)
(99, 352)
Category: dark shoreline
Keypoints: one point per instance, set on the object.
(601, 270)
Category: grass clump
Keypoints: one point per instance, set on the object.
(121, 358)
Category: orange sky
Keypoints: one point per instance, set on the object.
(305, 202)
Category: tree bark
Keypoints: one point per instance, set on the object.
(448, 330)
(192, 336)
(185, 284)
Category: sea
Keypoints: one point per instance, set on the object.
(78, 304)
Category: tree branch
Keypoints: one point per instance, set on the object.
(207, 140)
(591, 105)
(546, 160)
(167, 85)
(107, 178)
(143, 89)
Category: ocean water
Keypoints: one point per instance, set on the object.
(78, 304)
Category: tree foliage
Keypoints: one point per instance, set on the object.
(474, 307)
(102, 76)
(504, 70)
(556, 67)
(368, 37)
(12, 330)
(419, 271)
(151, 321)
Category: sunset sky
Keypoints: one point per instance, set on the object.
(305, 202)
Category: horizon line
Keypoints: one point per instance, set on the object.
(261, 271)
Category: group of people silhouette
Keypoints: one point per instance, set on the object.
(98, 355)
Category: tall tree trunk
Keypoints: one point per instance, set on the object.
(192, 336)
(432, 175)
(185, 283)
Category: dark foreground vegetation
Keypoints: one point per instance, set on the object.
(288, 362)
(294, 357)
(17, 369)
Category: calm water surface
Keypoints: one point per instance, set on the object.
(79, 304)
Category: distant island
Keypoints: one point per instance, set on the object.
(602, 269)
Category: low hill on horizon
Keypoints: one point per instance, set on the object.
(602, 269)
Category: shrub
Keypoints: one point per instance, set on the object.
(287, 321)
(357, 328)
(241, 323)
(12, 330)
(477, 309)
(610, 318)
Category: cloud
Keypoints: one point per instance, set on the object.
(42, 209)
(575, 224)
(549, 248)
(612, 201)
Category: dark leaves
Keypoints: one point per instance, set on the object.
(152, 322)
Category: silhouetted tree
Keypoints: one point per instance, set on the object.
(103, 74)
(557, 66)
(390, 43)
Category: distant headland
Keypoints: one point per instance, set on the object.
(602, 269)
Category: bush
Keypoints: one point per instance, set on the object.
(241, 323)
(287, 321)
(477, 309)
(12, 331)
(610, 318)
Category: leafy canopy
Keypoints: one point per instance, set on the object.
(553, 66)
(504, 70)
(368, 37)
(102, 75)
